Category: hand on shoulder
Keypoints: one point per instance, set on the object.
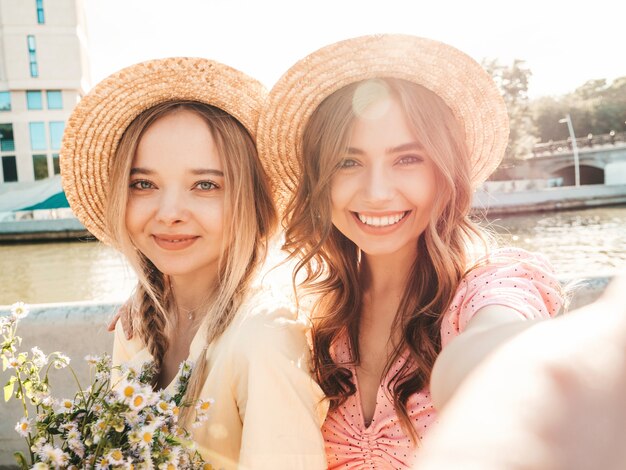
(124, 316)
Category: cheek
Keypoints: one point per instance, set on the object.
(136, 214)
(211, 214)
(423, 187)
(341, 192)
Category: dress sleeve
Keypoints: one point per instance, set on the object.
(510, 277)
(281, 407)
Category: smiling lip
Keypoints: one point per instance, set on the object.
(174, 242)
(380, 223)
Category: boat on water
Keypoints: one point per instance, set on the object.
(37, 211)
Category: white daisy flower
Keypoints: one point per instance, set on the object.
(127, 389)
(163, 407)
(39, 358)
(145, 434)
(61, 361)
(115, 456)
(76, 446)
(103, 463)
(137, 402)
(92, 360)
(23, 427)
(19, 310)
(13, 362)
(65, 406)
(99, 427)
(58, 458)
(73, 433)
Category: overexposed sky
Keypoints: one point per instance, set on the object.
(564, 42)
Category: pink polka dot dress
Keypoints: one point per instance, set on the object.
(510, 277)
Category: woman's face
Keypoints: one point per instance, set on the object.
(383, 193)
(175, 206)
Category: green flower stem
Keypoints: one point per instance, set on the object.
(23, 399)
(102, 440)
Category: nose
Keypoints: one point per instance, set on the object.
(379, 186)
(172, 207)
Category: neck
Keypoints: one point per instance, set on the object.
(384, 281)
(386, 274)
(191, 293)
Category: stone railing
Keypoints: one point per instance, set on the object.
(590, 141)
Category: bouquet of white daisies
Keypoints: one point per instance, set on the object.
(111, 424)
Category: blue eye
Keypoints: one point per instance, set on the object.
(141, 185)
(347, 163)
(206, 185)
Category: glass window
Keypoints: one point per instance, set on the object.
(32, 56)
(34, 100)
(7, 144)
(41, 19)
(40, 166)
(56, 134)
(55, 164)
(37, 136)
(9, 168)
(5, 101)
(55, 99)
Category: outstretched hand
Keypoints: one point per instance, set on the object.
(123, 314)
(550, 398)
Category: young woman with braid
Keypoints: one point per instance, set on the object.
(159, 160)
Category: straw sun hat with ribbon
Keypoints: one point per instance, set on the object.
(457, 79)
(99, 120)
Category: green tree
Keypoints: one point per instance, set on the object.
(513, 84)
(596, 107)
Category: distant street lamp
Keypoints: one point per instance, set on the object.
(567, 119)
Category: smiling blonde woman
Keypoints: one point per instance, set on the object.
(159, 160)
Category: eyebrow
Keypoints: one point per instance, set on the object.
(196, 172)
(397, 149)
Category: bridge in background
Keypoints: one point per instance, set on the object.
(597, 154)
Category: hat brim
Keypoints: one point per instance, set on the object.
(465, 87)
(98, 122)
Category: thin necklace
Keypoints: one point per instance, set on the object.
(190, 313)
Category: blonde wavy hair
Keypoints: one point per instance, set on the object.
(251, 218)
(331, 262)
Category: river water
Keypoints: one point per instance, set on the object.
(579, 243)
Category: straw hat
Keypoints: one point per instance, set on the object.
(97, 123)
(456, 78)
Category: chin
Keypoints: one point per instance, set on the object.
(388, 249)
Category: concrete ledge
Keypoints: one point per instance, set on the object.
(548, 199)
(78, 329)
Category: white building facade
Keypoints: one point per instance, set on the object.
(43, 73)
